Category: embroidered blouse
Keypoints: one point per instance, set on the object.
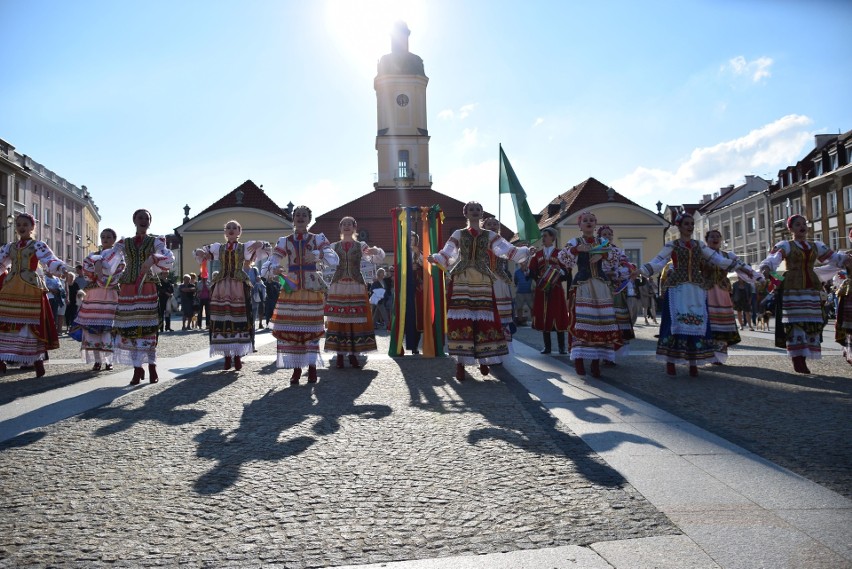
(687, 261)
(801, 258)
(21, 258)
(468, 248)
(133, 252)
(297, 255)
(232, 257)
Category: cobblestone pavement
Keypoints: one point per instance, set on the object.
(798, 421)
(396, 461)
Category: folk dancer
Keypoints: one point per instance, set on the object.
(474, 330)
(96, 316)
(136, 319)
(297, 323)
(685, 335)
(550, 307)
(593, 330)
(230, 310)
(27, 324)
(798, 309)
(349, 314)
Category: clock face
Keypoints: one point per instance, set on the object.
(402, 100)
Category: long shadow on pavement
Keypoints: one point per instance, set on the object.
(163, 406)
(477, 396)
(264, 419)
(17, 383)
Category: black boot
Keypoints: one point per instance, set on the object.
(560, 341)
(546, 337)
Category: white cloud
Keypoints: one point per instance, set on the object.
(755, 70)
(538, 121)
(468, 141)
(461, 114)
(762, 151)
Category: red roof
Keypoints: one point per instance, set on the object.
(579, 198)
(372, 212)
(252, 197)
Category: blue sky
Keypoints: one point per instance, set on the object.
(159, 104)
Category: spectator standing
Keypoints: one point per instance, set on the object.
(187, 301)
(165, 293)
(273, 288)
(523, 293)
(203, 295)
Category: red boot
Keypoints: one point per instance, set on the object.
(297, 373)
(670, 369)
(227, 365)
(138, 375)
(39, 367)
(460, 372)
(152, 369)
(340, 361)
(596, 368)
(353, 360)
(693, 371)
(484, 369)
(312, 374)
(238, 363)
(579, 366)
(2, 366)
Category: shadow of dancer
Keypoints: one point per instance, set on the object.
(263, 420)
(163, 406)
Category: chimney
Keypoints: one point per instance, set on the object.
(706, 198)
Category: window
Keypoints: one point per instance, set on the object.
(752, 224)
(78, 228)
(776, 213)
(47, 216)
(68, 252)
(69, 225)
(797, 207)
(738, 228)
(832, 202)
(17, 191)
(58, 220)
(833, 240)
(403, 164)
(816, 207)
(35, 211)
(818, 167)
(817, 236)
(634, 256)
(847, 198)
(833, 159)
(726, 232)
(761, 220)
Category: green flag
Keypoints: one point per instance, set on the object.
(509, 184)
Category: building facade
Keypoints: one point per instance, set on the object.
(67, 217)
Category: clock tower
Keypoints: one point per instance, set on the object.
(402, 139)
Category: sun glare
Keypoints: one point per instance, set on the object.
(361, 28)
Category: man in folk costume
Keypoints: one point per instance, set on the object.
(550, 306)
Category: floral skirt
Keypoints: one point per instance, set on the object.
(693, 344)
(594, 332)
(136, 324)
(474, 331)
(297, 324)
(723, 322)
(231, 324)
(349, 319)
(27, 327)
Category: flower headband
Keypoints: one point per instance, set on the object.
(681, 216)
(583, 214)
(603, 228)
(792, 218)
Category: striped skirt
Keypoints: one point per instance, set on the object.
(349, 319)
(503, 298)
(802, 319)
(136, 324)
(593, 332)
(474, 331)
(27, 327)
(97, 317)
(723, 322)
(231, 324)
(297, 324)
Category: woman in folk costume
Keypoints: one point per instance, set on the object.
(232, 325)
(720, 306)
(685, 335)
(297, 322)
(349, 314)
(474, 331)
(27, 325)
(96, 316)
(502, 289)
(843, 323)
(593, 329)
(550, 308)
(624, 302)
(136, 319)
(798, 305)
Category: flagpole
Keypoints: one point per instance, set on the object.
(499, 197)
